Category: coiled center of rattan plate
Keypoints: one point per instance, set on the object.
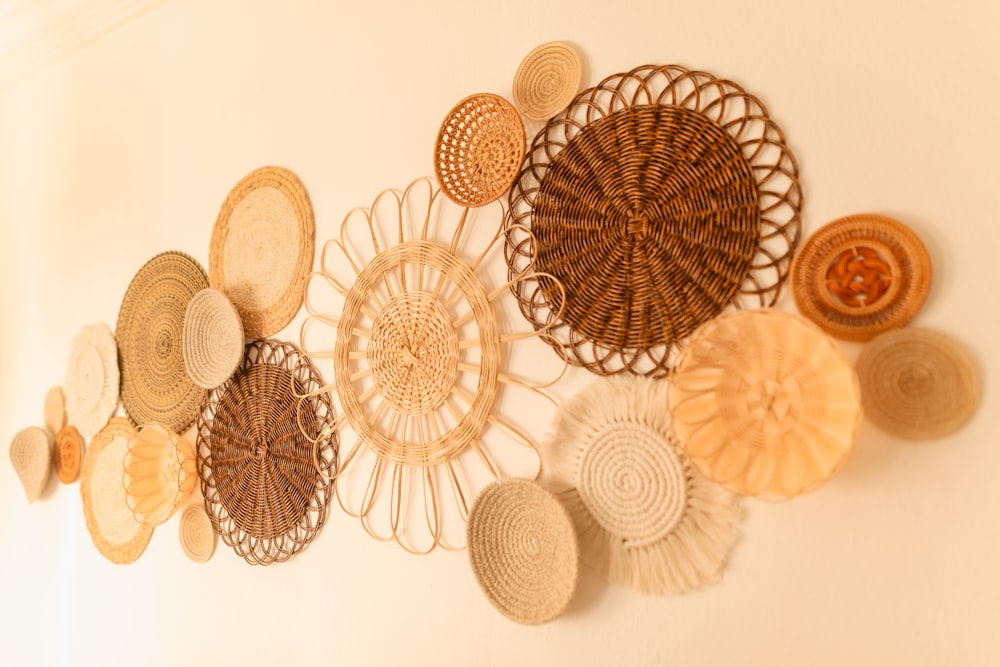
(770, 404)
(633, 482)
(860, 276)
(650, 218)
(413, 353)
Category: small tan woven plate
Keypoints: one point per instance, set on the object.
(196, 534)
(67, 454)
(917, 383)
(262, 248)
(31, 456)
(547, 80)
(115, 532)
(479, 150)
(523, 550)
(92, 379)
(861, 275)
(213, 338)
(55, 409)
(159, 473)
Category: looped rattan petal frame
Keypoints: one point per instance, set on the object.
(265, 496)
(159, 473)
(658, 198)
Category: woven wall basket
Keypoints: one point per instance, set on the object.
(917, 383)
(258, 436)
(262, 248)
(645, 518)
(523, 552)
(159, 473)
(155, 387)
(55, 406)
(861, 275)
(31, 456)
(765, 403)
(213, 338)
(547, 80)
(67, 454)
(657, 198)
(113, 528)
(92, 380)
(197, 536)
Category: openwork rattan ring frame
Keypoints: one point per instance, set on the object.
(265, 496)
(659, 198)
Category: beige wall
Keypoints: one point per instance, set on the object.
(127, 146)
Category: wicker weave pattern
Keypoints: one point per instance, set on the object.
(197, 537)
(67, 454)
(658, 198)
(31, 456)
(262, 491)
(547, 79)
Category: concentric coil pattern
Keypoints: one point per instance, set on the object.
(547, 80)
(213, 338)
(658, 198)
(479, 150)
(256, 438)
(68, 454)
(197, 537)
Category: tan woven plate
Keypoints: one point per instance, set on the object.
(67, 454)
(55, 408)
(917, 383)
(213, 338)
(765, 403)
(92, 379)
(523, 550)
(113, 528)
(479, 150)
(657, 199)
(547, 79)
(262, 248)
(31, 456)
(861, 275)
(155, 388)
(159, 473)
(196, 534)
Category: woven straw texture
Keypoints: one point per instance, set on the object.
(67, 454)
(197, 536)
(765, 403)
(159, 473)
(645, 518)
(256, 435)
(113, 528)
(479, 150)
(55, 407)
(155, 388)
(917, 383)
(547, 80)
(31, 456)
(92, 379)
(262, 248)
(657, 198)
(522, 547)
(861, 275)
(213, 338)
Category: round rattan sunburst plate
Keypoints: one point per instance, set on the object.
(155, 387)
(256, 439)
(479, 150)
(861, 275)
(657, 198)
(547, 79)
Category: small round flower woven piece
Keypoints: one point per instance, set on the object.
(213, 338)
(159, 473)
(67, 454)
(92, 379)
(523, 551)
(31, 456)
(196, 534)
(547, 79)
(113, 528)
(55, 408)
(861, 275)
(917, 383)
(765, 403)
(479, 150)
(262, 248)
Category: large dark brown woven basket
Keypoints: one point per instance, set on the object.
(658, 198)
(263, 492)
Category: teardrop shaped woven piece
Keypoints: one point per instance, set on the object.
(196, 534)
(479, 150)
(861, 275)
(159, 473)
(92, 380)
(31, 456)
(67, 454)
(523, 550)
(547, 80)
(765, 403)
(155, 387)
(917, 383)
(262, 248)
(213, 338)
(55, 408)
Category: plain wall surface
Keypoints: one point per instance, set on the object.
(127, 146)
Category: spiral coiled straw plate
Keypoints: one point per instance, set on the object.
(657, 198)
(547, 79)
(55, 408)
(197, 536)
(92, 382)
(159, 473)
(155, 387)
(523, 551)
(213, 338)
(765, 403)
(861, 275)
(67, 454)
(255, 454)
(31, 456)
(479, 150)
(917, 383)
